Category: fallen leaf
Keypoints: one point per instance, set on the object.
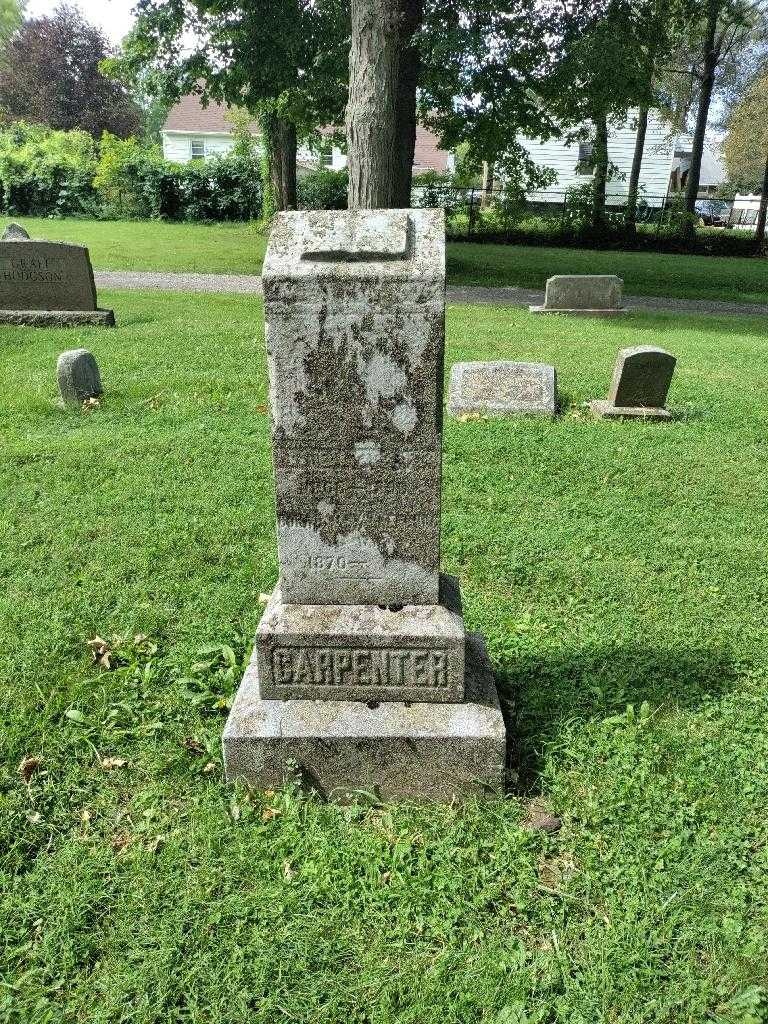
(120, 841)
(113, 762)
(28, 766)
(85, 817)
(192, 745)
(262, 408)
(101, 651)
(269, 813)
(288, 871)
(210, 767)
(90, 404)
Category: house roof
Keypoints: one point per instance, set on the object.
(189, 115)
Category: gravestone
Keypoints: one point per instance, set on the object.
(641, 380)
(502, 389)
(47, 284)
(77, 373)
(583, 293)
(14, 233)
(362, 673)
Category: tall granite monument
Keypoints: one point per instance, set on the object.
(362, 675)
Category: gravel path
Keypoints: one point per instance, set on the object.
(469, 295)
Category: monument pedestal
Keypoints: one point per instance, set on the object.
(58, 317)
(396, 750)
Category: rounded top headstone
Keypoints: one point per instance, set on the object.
(15, 233)
(78, 376)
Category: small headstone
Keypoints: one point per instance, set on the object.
(583, 293)
(502, 389)
(362, 674)
(47, 283)
(640, 385)
(77, 373)
(14, 233)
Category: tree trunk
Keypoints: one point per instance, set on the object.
(283, 166)
(374, 69)
(637, 163)
(761, 217)
(408, 79)
(600, 155)
(278, 138)
(489, 177)
(711, 59)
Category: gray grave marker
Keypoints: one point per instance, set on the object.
(641, 380)
(77, 373)
(47, 284)
(502, 389)
(583, 293)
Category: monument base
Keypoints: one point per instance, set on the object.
(607, 411)
(394, 750)
(580, 312)
(58, 317)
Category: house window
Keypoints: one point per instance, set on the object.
(326, 155)
(586, 164)
(197, 148)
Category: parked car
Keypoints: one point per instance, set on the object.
(714, 212)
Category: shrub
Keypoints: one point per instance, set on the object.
(323, 189)
(46, 172)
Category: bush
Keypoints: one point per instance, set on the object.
(46, 172)
(323, 189)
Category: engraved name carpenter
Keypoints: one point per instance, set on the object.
(330, 666)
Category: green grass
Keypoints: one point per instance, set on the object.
(620, 573)
(239, 249)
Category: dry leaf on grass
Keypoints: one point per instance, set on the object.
(288, 872)
(120, 841)
(269, 813)
(101, 651)
(193, 745)
(90, 404)
(28, 766)
(210, 767)
(113, 762)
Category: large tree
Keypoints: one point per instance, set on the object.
(50, 75)
(598, 76)
(11, 16)
(719, 37)
(476, 67)
(284, 61)
(746, 146)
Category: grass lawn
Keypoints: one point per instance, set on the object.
(239, 249)
(620, 573)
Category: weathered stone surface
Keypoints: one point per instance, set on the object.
(77, 373)
(354, 305)
(502, 389)
(14, 232)
(582, 293)
(397, 750)
(363, 652)
(641, 380)
(57, 317)
(39, 275)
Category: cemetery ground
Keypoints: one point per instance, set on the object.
(239, 249)
(620, 574)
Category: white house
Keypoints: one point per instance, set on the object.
(193, 132)
(573, 167)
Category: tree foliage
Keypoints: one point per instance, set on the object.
(51, 76)
(746, 141)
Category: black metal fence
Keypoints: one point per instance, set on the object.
(475, 212)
